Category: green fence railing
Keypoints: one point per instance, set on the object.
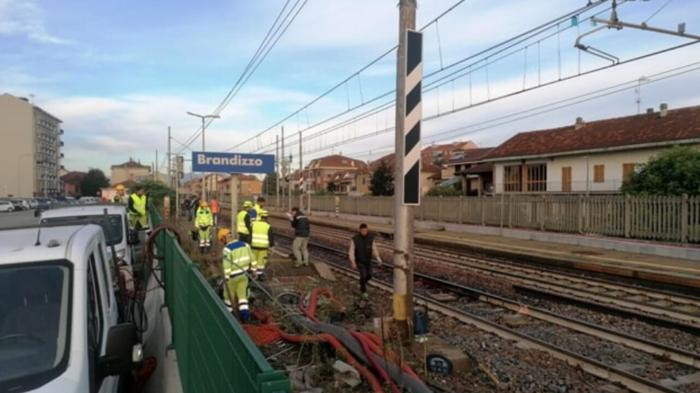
(214, 353)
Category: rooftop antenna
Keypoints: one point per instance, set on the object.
(638, 92)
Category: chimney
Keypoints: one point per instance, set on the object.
(663, 110)
(650, 111)
(579, 123)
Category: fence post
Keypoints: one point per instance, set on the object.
(510, 211)
(543, 212)
(483, 211)
(459, 213)
(439, 208)
(684, 218)
(579, 213)
(502, 211)
(628, 215)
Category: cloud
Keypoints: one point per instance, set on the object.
(26, 19)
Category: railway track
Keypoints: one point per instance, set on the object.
(578, 343)
(665, 307)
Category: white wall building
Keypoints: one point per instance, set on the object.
(30, 152)
(590, 157)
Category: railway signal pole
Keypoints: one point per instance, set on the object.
(403, 212)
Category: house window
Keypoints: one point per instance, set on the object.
(628, 171)
(566, 179)
(598, 173)
(537, 177)
(511, 178)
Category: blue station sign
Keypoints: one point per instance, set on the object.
(232, 162)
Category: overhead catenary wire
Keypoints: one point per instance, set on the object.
(553, 106)
(490, 52)
(271, 38)
(545, 108)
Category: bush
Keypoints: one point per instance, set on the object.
(444, 191)
(675, 171)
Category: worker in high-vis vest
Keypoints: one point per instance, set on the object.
(261, 242)
(255, 211)
(120, 196)
(238, 260)
(138, 206)
(203, 222)
(243, 223)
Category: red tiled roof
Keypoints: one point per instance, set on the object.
(336, 161)
(677, 125)
(426, 163)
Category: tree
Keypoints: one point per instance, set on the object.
(156, 191)
(382, 181)
(93, 181)
(675, 171)
(270, 184)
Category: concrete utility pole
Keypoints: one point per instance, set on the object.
(234, 200)
(403, 215)
(170, 167)
(284, 158)
(301, 175)
(277, 170)
(204, 127)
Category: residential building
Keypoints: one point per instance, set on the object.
(130, 171)
(352, 182)
(30, 154)
(327, 170)
(594, 156)
(71, 183)
(248, 186)
(439, 154)
(476, 175)
(430, 174)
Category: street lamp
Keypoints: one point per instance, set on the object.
(204, 126)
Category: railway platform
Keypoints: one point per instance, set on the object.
(566, 252)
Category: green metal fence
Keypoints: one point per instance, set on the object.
(214, 353)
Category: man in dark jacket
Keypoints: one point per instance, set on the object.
(362, 249)
(302, 229)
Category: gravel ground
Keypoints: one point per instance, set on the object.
(517, 370)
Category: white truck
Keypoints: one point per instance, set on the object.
(59, 327)
(117, 231)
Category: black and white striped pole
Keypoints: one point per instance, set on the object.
(407, 162)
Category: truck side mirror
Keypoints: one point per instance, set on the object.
(120, 354)
(133, 237)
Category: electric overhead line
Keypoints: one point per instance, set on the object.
(484, 54)
(440, 115)
(344, 81)
(540, 109)
(476, 65)
(272, 37)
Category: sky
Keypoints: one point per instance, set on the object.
(118, 73)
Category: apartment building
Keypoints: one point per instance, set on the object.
(30, 155)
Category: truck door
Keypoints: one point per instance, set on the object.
(100, 302)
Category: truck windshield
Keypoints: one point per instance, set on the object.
(114, 233)
(34, 323)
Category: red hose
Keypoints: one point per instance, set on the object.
(362, 340)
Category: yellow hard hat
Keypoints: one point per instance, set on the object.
(247, 204)
(120, 187)
(203, 204)
(223, 234)
(263, 213)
